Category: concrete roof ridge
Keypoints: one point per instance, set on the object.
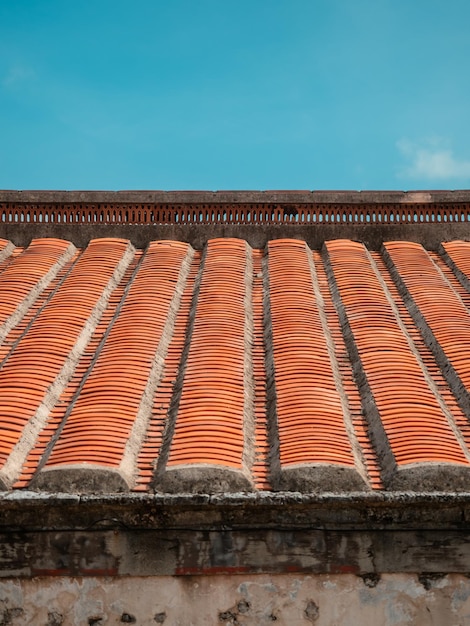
(235, 196)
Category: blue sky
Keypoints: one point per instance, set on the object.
(225, 94)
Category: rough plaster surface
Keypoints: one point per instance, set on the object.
(287, 600)
(257, 235)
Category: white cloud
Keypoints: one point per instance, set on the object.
(432, 161)
(17, 74)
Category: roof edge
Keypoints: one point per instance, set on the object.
(234, 197)
(31, 510)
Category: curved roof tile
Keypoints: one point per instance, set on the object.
(237, 369)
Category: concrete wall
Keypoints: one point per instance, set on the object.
(372, 235)
(389, 218)
(284, 600)
(333, 560)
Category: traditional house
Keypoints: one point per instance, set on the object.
(235, 408)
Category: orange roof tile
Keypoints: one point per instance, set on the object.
(237, 369)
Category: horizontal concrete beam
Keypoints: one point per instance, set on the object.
(194, 553)
(30, 511)
(257, 235)
(236, 196)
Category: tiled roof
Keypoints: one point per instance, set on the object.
(234, 368)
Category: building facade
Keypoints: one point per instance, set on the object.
(235, 408)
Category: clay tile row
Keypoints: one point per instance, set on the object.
(115, 404)
(211, 442)
(411, 428)
(33, 377)
(26, 276)
(446, 328)
(307, 399)
(171, 370)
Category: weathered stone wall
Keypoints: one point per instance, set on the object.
(257, 235)
(286, 600)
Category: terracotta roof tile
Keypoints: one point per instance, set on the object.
(212, 442)
(307, 397)
(114, 407)
(235, 369)
(446, 328)
(408, 417)
(32, 379)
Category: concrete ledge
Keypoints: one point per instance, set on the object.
(235, 196)
(257, 235)
(31, 510)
